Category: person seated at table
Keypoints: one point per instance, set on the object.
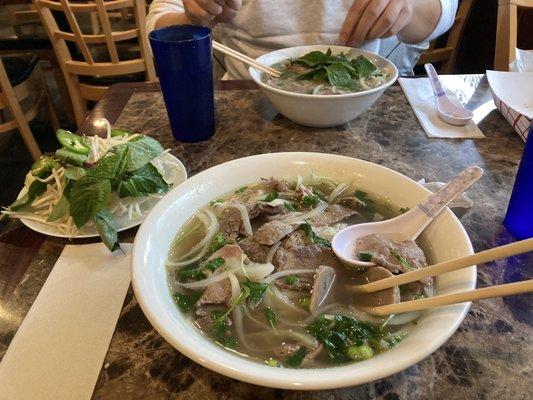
(397, 29)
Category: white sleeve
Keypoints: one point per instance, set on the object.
(447, 17)
(160, 7)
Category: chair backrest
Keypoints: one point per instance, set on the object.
(446, 56)
(507, 31)
(67, 25)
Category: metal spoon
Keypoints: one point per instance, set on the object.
(406, 226)
(448, 110)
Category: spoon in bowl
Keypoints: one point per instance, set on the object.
(406, 226)
(447, 109)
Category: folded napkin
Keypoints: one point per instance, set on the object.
(420, 95)
(60, 346)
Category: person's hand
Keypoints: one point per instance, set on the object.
(208, 12)
(373, 19)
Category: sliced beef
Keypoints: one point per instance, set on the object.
(324, 278)
(389, 254)
(382, 297)
(295, 239)
(230, 223)
(304, 257)
(228, 251)
(413, 290)
(206, 321)
(310, 358)
(276, 185)
(216, 293)
(304, 284)
(255, 251)
(286, 350)
(272, 232)
(352, 203)
(333, 213)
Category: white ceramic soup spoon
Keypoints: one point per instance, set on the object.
(447, 109)
(406, 226)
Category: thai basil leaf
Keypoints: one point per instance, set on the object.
(338, 75)
(60, 209)
(36, 189)
(88, 197)
(75, 173)
(107, 229)
(146, 180)
(140, 152)
(315, 58)
(363, 66)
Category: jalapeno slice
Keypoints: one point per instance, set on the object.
(43, 167)
(72, 142)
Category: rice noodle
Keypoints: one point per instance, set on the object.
(273, 277)
(283, 299)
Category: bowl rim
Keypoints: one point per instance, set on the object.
(256, 75)
(251, 371)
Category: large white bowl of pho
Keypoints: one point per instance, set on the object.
(323, 86)
(234, 269)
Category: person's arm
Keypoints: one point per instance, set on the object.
(412, 21)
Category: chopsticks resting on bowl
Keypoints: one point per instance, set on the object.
(245, 59)
(508, 250)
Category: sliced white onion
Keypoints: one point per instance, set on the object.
(336, 192)
(210, 221)
(404, 318)
(280, 274)
(298, 217)
(256, 272)
(272, 251)
(204, 282)
(283, 299)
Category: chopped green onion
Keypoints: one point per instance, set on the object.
(291, 279)
(296, 359)
(305, 302)
(271, 196)
(186, 301)
(214, 263)
(289, 207)
(366, 257)
(359, 353)
(408, 266)
(241, 190)
(310, 200)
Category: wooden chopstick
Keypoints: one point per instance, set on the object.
(507, 250)
(245, 59)
(447, 299)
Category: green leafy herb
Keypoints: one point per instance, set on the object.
(119, 132)
(339, 75)
(35, 189)
(228, 341)
(271, 196)
(186, 302)
(408, 266)
(272, 362)
(403, 210)
(291, 279)
(296, 359)
(315, 58)
(60, 209)
(359, 353)
(289, 207)
(43, 167)
(220, 325)
(139, 152)
(75, 173)
(218, 242)
(191, 272)
(310, 200)
(107, 229)
(368, 207)
(339, 333)
(366, 257)
(271, 317)
(143, 182)
(363, 67)
(214, 263)
(255, 290)
(313, 237)
(305, 302)
(87, 198)
(74, 143)
(241, 190)
(216, 201)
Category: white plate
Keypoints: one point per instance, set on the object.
(444, 239)
(122, 223)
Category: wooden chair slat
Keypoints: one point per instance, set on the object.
(106, 68)
(99, 39)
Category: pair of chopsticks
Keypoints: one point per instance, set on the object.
(245, 59)
(508, 250)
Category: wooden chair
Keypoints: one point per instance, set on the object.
(86, 76)
(507, 31)
(446, 56)
(26, 86)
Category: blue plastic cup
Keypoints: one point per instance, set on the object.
(182, 56)
(519, 217)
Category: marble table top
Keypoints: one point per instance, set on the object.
(489, 357)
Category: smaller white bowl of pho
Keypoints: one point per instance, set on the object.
(234, 268)
(323, 86)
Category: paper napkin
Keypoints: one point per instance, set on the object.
(420, 95)
(59, 348)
